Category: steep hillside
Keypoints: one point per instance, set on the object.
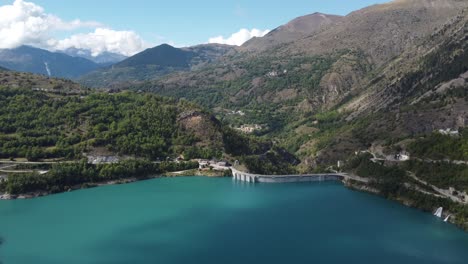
(317, 73)
(292, 31)
(55, 64)
(381, 31)
(422, 91)
(419, 70)
(155, 62)
(207, 53)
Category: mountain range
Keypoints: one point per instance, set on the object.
(156, 62)
(39, 61)
(375, 61)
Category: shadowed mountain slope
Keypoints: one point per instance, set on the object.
(39, 61)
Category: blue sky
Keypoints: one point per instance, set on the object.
(186, 22)
(192, 22)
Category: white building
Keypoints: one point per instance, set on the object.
(448, 132)
(402, 157)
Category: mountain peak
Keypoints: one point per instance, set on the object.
(309, 24)
(319, 14)
(163, 55)
(165, 45)
(293, 30)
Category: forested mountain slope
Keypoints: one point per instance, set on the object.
(155, 62)
(50, 125)
(45, 118)
(379, 58)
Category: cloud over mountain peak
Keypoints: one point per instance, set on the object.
(26, 23)
(239, 37)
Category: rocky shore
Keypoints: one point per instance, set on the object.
(357, 186)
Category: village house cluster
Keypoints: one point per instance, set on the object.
(214, 165)
(249, 129)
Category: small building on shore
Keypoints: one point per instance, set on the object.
(213, 165)
(203, 164)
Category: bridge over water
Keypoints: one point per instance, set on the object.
(320, 177)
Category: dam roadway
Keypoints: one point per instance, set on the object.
(238, 175)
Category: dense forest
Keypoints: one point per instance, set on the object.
(64, 176)
(437, 146)
(441, 174)
(39, 125)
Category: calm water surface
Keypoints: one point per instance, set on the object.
(204, 220)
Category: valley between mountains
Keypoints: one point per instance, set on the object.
(381, 93)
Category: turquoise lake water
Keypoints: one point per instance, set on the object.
(216, 220)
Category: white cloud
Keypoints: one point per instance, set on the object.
(104, 40)
(25, 23)
(240, 37)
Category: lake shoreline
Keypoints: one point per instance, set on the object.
(401, 200)
(193, 173)
(84, 186)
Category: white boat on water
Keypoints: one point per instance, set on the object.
(439, 212)
(447, 218)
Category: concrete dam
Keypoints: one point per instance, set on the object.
(320, 177)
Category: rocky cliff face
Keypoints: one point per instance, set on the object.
(205, 129)
(433, 67)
